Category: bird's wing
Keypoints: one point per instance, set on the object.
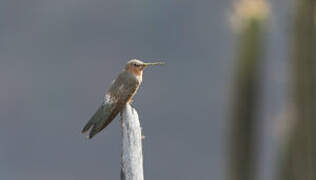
(127, 89)
(120, 92)
(103, 116)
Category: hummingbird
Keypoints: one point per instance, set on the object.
(121, 92)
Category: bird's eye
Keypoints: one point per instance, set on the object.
(136, 65)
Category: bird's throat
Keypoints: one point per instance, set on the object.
(136, 72)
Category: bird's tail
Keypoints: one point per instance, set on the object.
(104, 115)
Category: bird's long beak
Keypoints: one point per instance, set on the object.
(152, 64)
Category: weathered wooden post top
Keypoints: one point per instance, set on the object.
(117, 100)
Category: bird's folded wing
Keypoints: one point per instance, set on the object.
(104, 115)
(120, 92)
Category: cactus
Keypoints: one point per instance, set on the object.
(248, 20)
(298, 156)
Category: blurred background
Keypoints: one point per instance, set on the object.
(235, 100)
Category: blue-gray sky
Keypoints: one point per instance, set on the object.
(58, 57)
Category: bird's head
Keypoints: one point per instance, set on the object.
(136, 66)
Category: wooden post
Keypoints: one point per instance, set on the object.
(131, 156)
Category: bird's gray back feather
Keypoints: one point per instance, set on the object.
(120, 92)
